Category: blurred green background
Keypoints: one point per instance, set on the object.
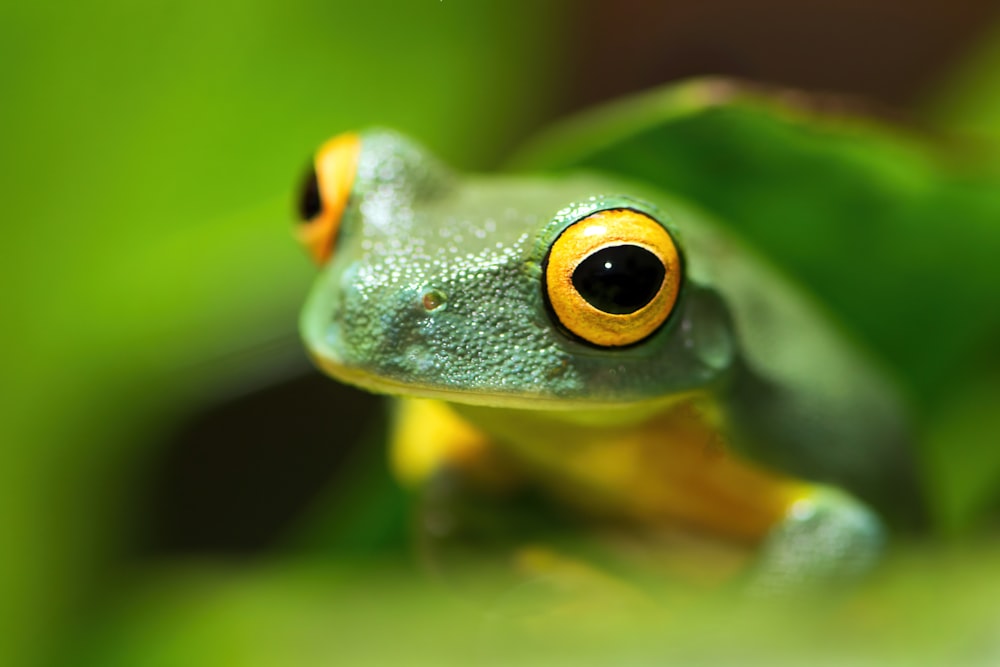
(161, 429)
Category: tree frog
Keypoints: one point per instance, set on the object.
(592, 352)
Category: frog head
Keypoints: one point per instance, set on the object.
(541, 292)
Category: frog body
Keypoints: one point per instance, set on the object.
(706, 395)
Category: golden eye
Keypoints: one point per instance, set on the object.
(324, 194)
(612, 278)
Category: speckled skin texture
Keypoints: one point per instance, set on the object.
(435, 290)
(478, 245)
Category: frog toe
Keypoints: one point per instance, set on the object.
(827, 538)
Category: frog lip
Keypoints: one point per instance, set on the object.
(362, 379)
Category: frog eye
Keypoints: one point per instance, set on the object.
(613, 277)
(324, 194)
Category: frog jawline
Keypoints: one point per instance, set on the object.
(380, 385)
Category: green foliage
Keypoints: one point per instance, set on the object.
(924, 609)
(149, 154)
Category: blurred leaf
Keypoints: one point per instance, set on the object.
(141, 146)
(930, 608)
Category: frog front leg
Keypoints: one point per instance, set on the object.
(803, 534)
(852, 440)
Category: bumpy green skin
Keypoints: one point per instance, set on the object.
(894, 230)
(413, 229)
(800, 398)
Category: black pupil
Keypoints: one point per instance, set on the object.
(619, 279)
(310, 203)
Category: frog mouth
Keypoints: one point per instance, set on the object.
(377, 384)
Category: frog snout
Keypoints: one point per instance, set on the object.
(380, 327)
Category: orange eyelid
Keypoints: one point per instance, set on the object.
(336, 163)
(602, 229)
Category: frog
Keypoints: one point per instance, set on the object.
(582, 351)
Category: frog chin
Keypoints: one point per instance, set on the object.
(379, 384)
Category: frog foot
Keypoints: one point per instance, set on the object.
(826, 538)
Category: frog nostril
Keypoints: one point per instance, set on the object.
(433, 299)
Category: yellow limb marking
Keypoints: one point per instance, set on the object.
(673, 469)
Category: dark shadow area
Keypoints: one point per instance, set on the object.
(234, 476)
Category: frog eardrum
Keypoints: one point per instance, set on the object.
(612, 278)
(325, 193)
